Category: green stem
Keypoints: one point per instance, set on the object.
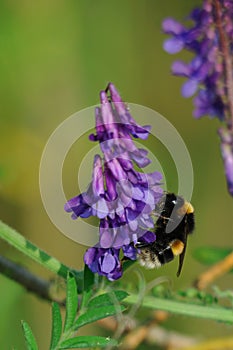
(19, 242)
(182, 308)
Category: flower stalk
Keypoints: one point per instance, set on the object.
(224, 45)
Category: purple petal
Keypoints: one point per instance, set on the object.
(123, 112)
(151, 178)
(91, 258)
(100, 128)
(148, 237)
(171, 26)
(127, 143)
(89, 255)
(108, 263)
(97, 178)
(116, 169)
(140, 159)
(84, 213)
(120, 106)
(79, 207)
(181, 68)
(122, 237)
(114, 93)
(130, 252)
(137, 193)
(107, 115)
(106, 238)
(132, 177)
(125, 163)
(131, 214)
(73, 202)
(120, 209)
(126, 201)
(189, 88)
(116, 274)
(141, 132)
(133, 224)
(101, 208)
(126, 187)
(200, 104)
(173, 45)
(111, 192)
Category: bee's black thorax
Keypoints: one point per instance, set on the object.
(175, 222)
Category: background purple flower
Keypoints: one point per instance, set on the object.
(121, 197)
(206, 71)
(210, 72)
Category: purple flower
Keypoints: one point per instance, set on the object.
(210, 73)
(106, 262)
(120, 196)
(227, 155)
(205, 73)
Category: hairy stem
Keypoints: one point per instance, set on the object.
(19, 242)
(182, 308)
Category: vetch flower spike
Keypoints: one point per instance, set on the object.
(210, 73)
(121, 197)
(210, 39)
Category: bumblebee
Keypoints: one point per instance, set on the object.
(175, 222)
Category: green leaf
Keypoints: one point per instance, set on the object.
(107, 298)
(71, 302)
(89, 279)
(92, 315)
(211, 255)
(29, 337)
(56, 326)
(87, 342)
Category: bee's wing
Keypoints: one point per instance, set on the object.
(182, 255)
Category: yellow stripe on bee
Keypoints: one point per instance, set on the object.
(187, 208)
(177, 247)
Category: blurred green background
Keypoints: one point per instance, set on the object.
(55, 58)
